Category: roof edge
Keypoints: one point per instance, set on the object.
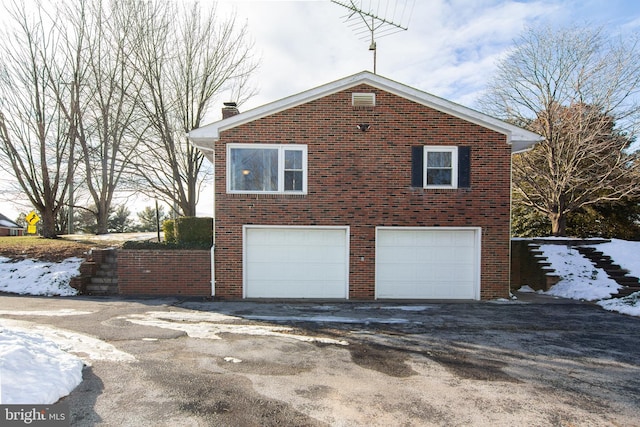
(520, 139)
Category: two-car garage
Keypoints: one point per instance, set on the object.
(313, 262)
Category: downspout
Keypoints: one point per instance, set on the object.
(213, 247)
(213, 234)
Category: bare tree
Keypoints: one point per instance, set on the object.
(109, 102)
(185, 57)
(578, 88)
(39, 84)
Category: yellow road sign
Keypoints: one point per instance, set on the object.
(32, 218)
(31, 229)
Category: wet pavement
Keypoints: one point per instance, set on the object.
(535, 361)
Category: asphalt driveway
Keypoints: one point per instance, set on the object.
(199, 363)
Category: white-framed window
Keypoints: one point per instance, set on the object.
(440, 167)
(267, 168)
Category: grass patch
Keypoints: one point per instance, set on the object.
(35, 247)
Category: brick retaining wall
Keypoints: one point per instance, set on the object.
(164, 272)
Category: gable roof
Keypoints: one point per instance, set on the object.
(7, 223)
(520, 139)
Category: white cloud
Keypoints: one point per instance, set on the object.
(450, 49)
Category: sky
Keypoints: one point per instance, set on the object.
(449, 49)
(31, 352)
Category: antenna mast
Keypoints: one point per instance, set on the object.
(366, 22)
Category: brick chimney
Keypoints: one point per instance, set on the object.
(230, 109)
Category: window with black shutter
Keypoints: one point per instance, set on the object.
(434, 166)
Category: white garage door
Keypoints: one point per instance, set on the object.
(303, 262)
(427, 263)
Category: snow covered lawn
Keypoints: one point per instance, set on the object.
(30, 277)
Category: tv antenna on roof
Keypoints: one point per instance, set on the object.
(366, 21)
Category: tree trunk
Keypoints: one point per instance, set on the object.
(102, 218)
(48, 229)
(558, 224)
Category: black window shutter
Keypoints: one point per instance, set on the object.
(464, 167)
(417, 166)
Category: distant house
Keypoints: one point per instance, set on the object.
(361, 189)
(9, 228)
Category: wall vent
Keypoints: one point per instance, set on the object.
(363, 99)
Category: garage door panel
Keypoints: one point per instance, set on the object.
(420, 263)
(306, 262)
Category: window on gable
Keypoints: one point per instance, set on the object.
(266, 168)
(440, 167)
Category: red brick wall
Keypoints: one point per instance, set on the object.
(157, 272)
(363, 179)
(7, 232)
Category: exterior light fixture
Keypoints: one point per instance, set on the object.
(363, 127)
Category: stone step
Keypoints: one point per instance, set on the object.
(102, 289)
(552, 280)
(626, 291)
(106, 273)
(618, 273)
(104, 280)
(627, 281)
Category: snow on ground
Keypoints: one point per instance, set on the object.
(581, 280)
(85, 347)
(34, 370)
(211, 325)
(32, 277)
(624, 253)
(40, 364)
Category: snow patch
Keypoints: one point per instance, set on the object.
(208, 325)
(30, 277)
(33, 370)
(626, 305)
(83, 346)
(580, 278)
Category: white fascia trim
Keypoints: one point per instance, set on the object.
(212, 131)
(204, 145)
(519, 138)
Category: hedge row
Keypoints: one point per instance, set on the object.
(182, 233)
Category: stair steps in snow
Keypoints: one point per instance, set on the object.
(630, 284)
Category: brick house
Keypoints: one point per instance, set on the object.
(9, 228)
(361, 189)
